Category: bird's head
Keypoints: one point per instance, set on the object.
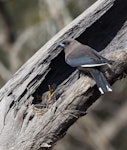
(65, 43)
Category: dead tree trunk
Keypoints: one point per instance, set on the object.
(23, 124)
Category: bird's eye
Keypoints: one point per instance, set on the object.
(66, 43)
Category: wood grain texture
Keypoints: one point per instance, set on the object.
(103, 26)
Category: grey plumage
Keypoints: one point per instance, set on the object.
(86, 58)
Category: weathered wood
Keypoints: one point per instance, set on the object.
(101, 26)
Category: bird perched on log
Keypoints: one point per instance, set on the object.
(87, 59)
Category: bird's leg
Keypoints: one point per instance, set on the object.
(80, 74)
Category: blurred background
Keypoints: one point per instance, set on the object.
(25, 26)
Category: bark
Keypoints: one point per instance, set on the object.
(23, 124)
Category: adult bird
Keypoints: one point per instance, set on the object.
(86, 59)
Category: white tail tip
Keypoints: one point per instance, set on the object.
(109, 89)
(100, 89)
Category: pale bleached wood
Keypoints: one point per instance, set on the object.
(23, 128)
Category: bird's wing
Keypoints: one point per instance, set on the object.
(84, 61)
(101, 57)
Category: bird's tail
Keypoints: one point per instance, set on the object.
(101, 81)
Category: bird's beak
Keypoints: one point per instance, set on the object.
(61, 45)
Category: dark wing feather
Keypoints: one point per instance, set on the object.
(84, 60)
(83, 56)
(101, 57)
